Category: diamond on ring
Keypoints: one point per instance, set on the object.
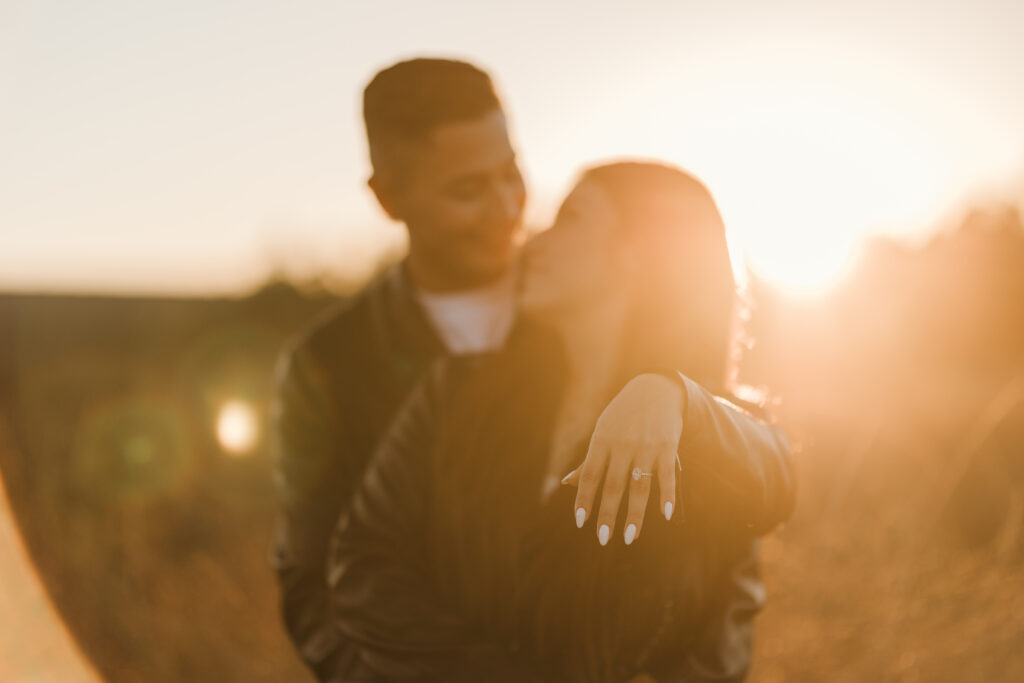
(637, 473)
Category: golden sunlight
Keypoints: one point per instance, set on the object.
(806, 159)
(823, 173)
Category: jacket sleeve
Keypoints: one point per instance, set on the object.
(736, 484)
(383, 596)
(721, 651)
(737, 472)
(309, 460)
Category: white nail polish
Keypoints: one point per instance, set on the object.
(630, 533)
(581, 516)
(668, 509)
(603, 533)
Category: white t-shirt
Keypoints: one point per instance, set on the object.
(478, 321)
(475, 320)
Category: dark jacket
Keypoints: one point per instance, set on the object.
(338, 386)
(446, 566)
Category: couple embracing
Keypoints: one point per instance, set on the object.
(503, 463)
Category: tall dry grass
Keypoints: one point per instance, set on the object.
(902, 389)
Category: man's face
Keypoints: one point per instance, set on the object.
(461, 197)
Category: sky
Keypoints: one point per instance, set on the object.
(193, 147)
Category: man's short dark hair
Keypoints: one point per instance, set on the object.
(406, 101)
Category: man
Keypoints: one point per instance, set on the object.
(444, 166)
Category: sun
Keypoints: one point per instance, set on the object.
(807, 160)
(820, 175)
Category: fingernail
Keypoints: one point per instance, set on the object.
(581, 516)
(668, 510)
(566, 477)
(603, 533)
(630, 533)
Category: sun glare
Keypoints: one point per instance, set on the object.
(237, 428)
(821, 176)
(806, 160)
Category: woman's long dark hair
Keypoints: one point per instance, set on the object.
(682, 294)
(494, 429)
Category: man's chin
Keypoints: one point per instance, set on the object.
(487, 270)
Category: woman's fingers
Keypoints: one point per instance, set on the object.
(639, 492)
(588, 480)
(611, 497)
(666, 468)
(615, 468)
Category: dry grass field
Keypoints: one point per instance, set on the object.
(151, 540)
(904, 393)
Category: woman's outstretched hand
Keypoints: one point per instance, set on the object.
(639, 430)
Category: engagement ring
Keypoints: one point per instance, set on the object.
(637, 474)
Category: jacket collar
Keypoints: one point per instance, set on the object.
(405, 311)
(407, 314)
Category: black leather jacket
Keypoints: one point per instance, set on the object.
(445, 568)
(338, 385)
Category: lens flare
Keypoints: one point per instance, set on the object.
(134, 447)
(237, 428)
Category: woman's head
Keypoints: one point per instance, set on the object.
(650, 237)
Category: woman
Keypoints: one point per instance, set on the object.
(461, 559)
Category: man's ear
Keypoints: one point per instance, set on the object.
(386, 195)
